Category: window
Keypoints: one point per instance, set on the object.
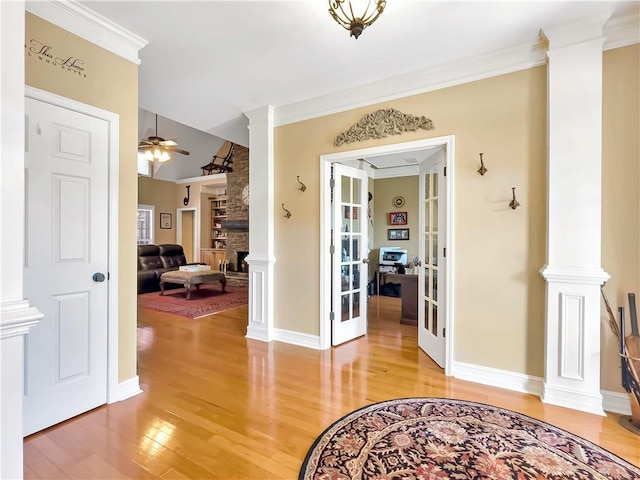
(145, 224)
(144, 165)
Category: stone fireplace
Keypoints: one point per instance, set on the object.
(237, 223)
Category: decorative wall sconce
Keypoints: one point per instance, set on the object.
(482, 170)
(514, 203)
(302, 186)
(287, 212)
(186, 199)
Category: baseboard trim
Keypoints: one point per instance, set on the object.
(129, 388)
(518, 382)
(257, 334)
(616, 402)
(297, 338)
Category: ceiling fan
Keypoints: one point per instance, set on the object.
(157, 148)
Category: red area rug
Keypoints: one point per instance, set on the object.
(440, 438)
(209, 299)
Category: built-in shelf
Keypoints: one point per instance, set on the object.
(218, 214)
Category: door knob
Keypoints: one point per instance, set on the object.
(98, 277)
(365, 260)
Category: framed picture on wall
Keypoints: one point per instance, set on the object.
(165, 220)
(398, 218)
(398, 234)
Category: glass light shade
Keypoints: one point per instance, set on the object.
(164, 157)
(148, 155)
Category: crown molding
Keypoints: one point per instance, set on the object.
(87, 24)
(622, 32)
(421, 81)
(618, 33)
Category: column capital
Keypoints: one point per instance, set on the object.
(17, 317)
(574, 274)
(263, 114)
(577, 31)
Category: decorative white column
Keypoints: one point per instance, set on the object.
(573, 271)
(261, 258)
(16, 316)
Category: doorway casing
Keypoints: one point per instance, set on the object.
(445, 142)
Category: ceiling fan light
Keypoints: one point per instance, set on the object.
(164, 157)
(148, 155)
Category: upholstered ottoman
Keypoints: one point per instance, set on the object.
(188, 279)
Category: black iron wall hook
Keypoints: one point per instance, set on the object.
(302, 186)
(482, 170)
(514, 203)
(287, 212)
(186, 199)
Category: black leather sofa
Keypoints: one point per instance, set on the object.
(153, 261)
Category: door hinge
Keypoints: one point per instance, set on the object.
(445, 171)
(445, 252)
(108, 276)
(332, 249)
(332, 183)
(444, 332)
(332, 316)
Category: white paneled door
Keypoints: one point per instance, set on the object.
(431, 324)
(66, 260)
(350, 268)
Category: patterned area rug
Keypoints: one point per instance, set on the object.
(208, 300)
(440, 438)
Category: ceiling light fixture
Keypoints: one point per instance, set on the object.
(356, 15)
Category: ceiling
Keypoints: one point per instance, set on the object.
(207, 62)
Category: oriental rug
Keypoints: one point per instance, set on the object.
(441, 438)
(207, 300)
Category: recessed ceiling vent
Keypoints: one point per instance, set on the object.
(411, 161)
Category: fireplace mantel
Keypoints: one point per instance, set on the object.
(236, 225)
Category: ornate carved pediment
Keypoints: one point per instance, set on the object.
(381, 124)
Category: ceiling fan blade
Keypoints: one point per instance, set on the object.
(144, 142)
(168, 143)
(145, 146)
(177, 150)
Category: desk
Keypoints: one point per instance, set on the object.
(409, 293)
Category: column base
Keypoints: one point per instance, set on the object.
(574, 399)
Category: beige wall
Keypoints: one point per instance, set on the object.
(385, 190)
(111, 83)
(499, 292)
(162, 195)
(621, 193)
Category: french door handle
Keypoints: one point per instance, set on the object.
(365, 260)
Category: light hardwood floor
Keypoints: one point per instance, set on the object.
(216, 405)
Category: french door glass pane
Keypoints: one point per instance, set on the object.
(434, 212)
(355, 269)
(346, 302)
(355, 198)
(346, 190)
(427, 278)
(434, 177)
(434, 319)
(427, 190)
(355, 219)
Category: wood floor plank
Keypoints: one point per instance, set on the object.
(219, 406)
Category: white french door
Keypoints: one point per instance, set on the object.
(66, 261)
(349, 264)
(431, 301)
